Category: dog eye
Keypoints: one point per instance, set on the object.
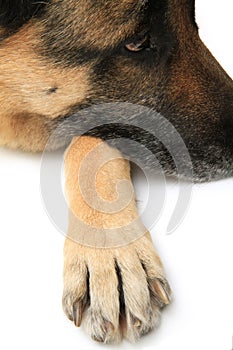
(139, 44)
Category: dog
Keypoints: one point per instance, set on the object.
(59, 57)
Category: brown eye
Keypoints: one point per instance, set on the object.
(139, 45)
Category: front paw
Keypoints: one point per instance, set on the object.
(114, 292)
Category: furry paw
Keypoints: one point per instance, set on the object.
(116, 292)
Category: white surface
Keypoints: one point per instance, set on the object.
(197, 256)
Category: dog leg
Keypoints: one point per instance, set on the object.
(113, 278)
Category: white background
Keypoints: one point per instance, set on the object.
(197, 256)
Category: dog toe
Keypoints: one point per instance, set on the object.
(141, 313)
(102, 317)
(75, 294)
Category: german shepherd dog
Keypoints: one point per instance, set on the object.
(58, 57)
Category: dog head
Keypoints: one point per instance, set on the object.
(146, 52)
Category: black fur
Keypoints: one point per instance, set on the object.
(15, 13)
(152, 20)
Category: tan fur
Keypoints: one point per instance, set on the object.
(115, 169)
(25, 83)
(140, 266)
(26, 131)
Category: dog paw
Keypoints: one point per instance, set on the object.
(116, 292)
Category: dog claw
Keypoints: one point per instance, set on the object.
(97, 339)
(78, 312)
(107, 327)
(161, 290)
(136, 322)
